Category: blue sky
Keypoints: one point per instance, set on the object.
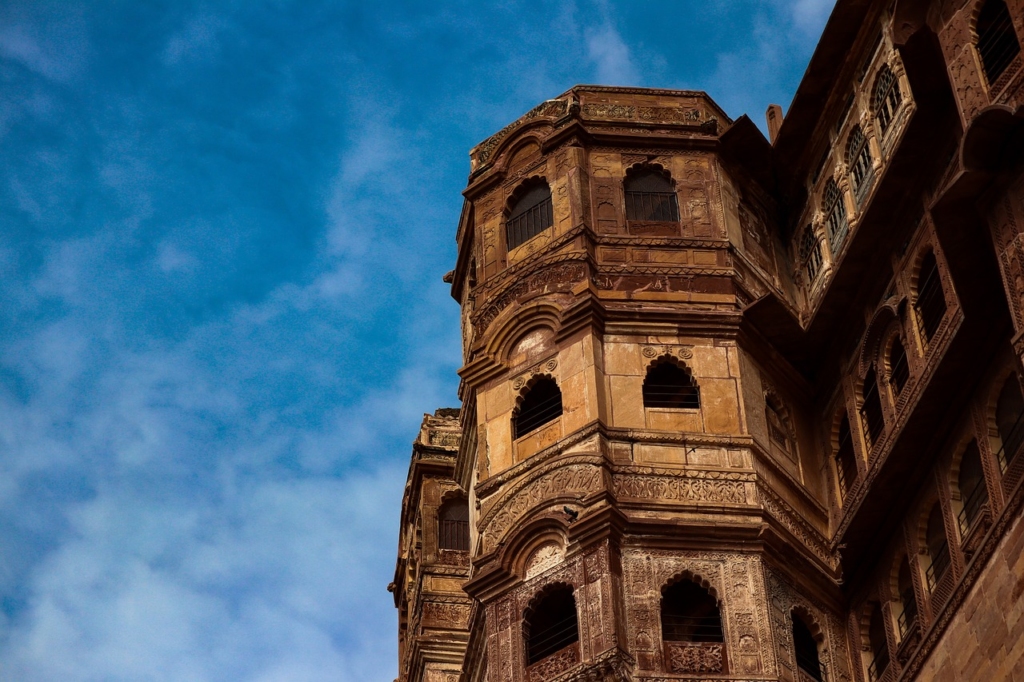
(224, 226)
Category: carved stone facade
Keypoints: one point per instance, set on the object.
(831, 488)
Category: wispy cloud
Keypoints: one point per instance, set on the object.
(611, 56)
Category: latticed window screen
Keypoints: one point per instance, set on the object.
(551, 626)
(858, 158)
(871, 408)
(806, 650)
(530, 215)
(835, 212)
(887, 97)
(690, 614)
(997, 40)
(668, 385)
(846, 462)
(453, 526)
(899, 370)
(650, 197)
(541, 404)
(810, 253)
(930, 303)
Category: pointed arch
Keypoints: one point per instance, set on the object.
(650, 194)
(886, 97)
(669, 383)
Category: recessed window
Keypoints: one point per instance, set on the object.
(805, 648)
(887, 98)
(669, 385)
(997, 40)
(1010, 420)
(858, 158)
(938, 548)
(930, 303)
(971, 485)
(531, 214)
(846, 461)
(650, 196)
(810, 253)
(879, 645)
(552, 625)
(453, 525)
(908, 599)
(899, 370)
(541, 404)
(871, 409)
(691, 630)
(835, 216)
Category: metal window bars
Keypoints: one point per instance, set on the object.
(669, 386)
(908, 616)
(652, 206)
(810, 253)
(971, 509)
(899, 370)
(887, 98)
(997, 39)
(553, 638)
(812, 667)
(836, 222)
(680, 628)
(1011, 444)
(529, 223)
(940, 564)
(871, 410)
(535, 414)
(879, 664)
(454, 535)
(930, 303)
(846, 465)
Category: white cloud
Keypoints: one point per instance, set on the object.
(610, 55)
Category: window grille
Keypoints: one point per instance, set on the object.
(846, 462)
(938, 548)
(971, 483)
(930, 303)
(541, 404)
(887, 98)
(858, 158)
(551, 626)
(690, 614)
(454, 526)
(668, 385)
(907, 598)
(530, 216)
(879, 645)
(1010, 421)
(806, 650)
(871, 408)
(997, 40)
(835, 210)
(899, 370)
(810, 253)
(651, 197)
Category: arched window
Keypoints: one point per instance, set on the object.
(530, 215)
(997, 41)
(858, 158)
(551, 625)
(879, 645)
(691, 627)
(541, 404)
(453, 525)
(938, 548)
(835, 216)
(971, 484)
(669, 385)
(871, 409)
(887, 98)
(1010, 420)
(930, 303)
(899, 370)
(810, 253)
(908, 600)
(846, 461)
(806, 650)
(650, 196)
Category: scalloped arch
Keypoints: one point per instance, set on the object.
(510, 327)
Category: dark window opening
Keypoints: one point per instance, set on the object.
(871, 409)
(668, 385)
(971, 483)
(1010, 420)
(453, 526)
(530, 216)
(845, 113)
(997, 40)
(777, 429)
(835, 222)
(541, 404)
(930, 303)
(650, 196)
(907, 598)
(938, 548)
(887, 97)
(806, 650)
(879, 645)
(899, 370)
(810, 253)
(846, 461)
(690, 614)
(858, 158)
(551, 626)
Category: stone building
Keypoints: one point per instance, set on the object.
(737, 408)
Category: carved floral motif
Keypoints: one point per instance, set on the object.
(558, 662)
(693, 657)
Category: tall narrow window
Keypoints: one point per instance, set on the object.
(1010, 420)
(908, 600)
(858, 158)
(887, 98)
(691, 627)
(930, 303)
(899, 370)
(650, 196)
(541, 404)
(879, 645)
(806, 650)
(810, 253)
(669, 385)
(871, 409)
(846, 461)
(971, 484)
(778, 429)
(552, 625)
(453, 525)
(835, 220)
(530, 215)
(997, 40)
(938, 548)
